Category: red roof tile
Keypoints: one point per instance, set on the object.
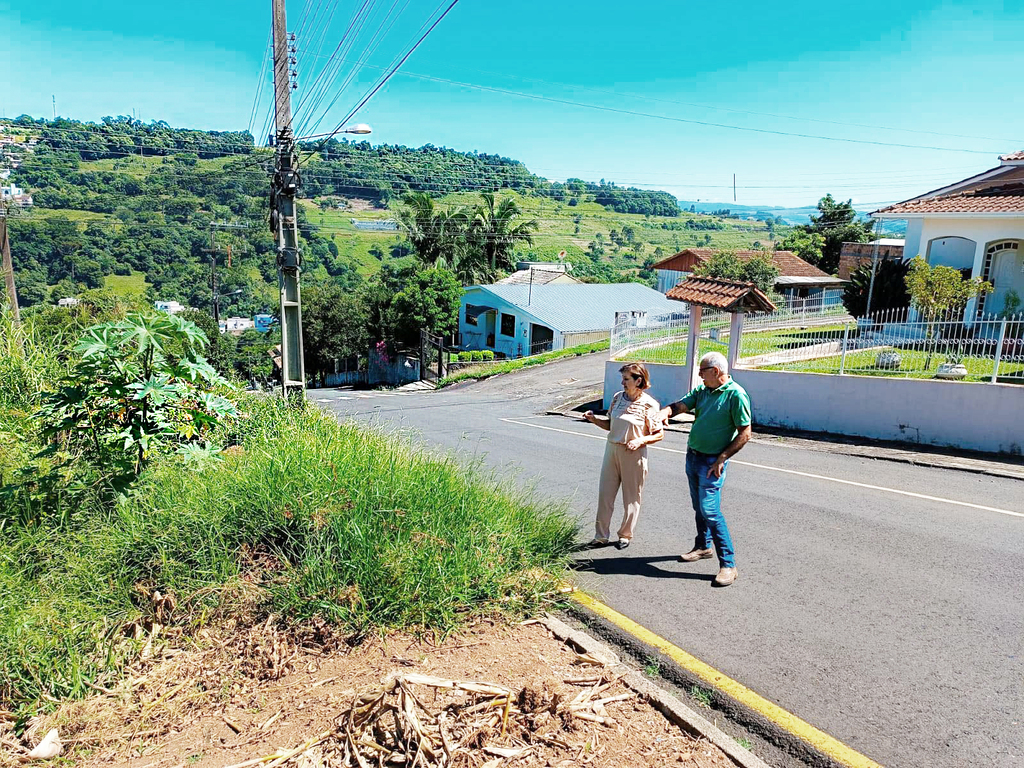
(1012, 157)
(1007, 198)
(717, 293)
(789, 264)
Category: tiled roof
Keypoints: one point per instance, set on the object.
(721, 294)
(539, 277)
(789, 264)
(1012, 157)
(583, 307)
(1007, 198)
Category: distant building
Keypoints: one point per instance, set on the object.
(236, 324)
(264, 323)
(171, 307)
(375, 225)
(15, 194)
(797, 278)
(67, 302)
(854, 255)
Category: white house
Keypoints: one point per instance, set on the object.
(975, 225)
(172, 307)
(236, 324)
(67, 302)
(519, 320)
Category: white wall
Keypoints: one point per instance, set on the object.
(980, 417)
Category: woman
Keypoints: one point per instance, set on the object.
(633, 423)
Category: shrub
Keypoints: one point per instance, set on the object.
(476, 356)
(488, 355)
(464, 357)
(140, 386)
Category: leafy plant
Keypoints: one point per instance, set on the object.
(938, 289)
(141, 386)
(890, 290)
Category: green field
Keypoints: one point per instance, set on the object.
(913, 366)
(132, 285)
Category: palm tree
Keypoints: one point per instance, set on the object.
(498, 228)
(437, 234)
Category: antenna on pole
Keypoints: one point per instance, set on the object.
(734, 187)
(54, 99)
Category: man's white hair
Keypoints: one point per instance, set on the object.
(715, 360)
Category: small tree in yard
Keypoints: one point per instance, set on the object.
(141, 386)
(937, 290)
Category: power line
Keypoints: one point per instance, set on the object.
(389, 75)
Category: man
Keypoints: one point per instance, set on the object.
(721, 428)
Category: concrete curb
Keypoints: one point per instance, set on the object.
(672, 708)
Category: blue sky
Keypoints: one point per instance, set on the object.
(906, 68)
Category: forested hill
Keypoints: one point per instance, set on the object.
(126, 204)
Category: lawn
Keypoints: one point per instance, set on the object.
(758, 343)
(128, 286)
(914, 365)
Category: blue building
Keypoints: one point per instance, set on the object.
(521, 320)
(264, 323)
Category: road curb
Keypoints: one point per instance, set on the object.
(672, 708)
(771, 730)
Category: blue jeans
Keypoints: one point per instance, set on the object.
(706, 495)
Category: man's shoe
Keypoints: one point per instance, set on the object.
(725, 577)
(597, 543)
(697, 554)
(622, 543)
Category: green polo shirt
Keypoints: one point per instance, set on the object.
(719, 413)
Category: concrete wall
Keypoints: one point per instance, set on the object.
(980, 417)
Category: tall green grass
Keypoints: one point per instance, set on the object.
(308, 517)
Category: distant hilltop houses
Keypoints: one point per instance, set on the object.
(15, 195)
(261, 323)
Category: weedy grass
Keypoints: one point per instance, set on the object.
(302, 517)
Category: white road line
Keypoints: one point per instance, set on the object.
(795, 472)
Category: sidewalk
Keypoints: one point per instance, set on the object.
(922, 455)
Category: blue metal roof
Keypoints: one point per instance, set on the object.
(585, 307)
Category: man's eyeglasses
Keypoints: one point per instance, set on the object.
(707, 368)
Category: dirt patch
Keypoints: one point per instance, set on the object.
(494, 695)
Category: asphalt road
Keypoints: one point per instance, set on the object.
(892, 621)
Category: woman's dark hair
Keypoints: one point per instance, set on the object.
(639, 372)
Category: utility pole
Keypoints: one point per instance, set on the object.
(8, 267)
(214, 287)
(283, 214)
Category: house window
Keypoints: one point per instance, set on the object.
(470, 319)
(508, 325)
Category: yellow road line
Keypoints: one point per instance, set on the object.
(789, 722)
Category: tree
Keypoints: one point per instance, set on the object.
(837, 223)
(807, 245)
(759, 269)
(890, 291)
(498, 227)
(937, 290)
(334, 326)
(429, 301)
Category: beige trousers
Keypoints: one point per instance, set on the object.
(626, 468)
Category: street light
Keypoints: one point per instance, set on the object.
(358, 128)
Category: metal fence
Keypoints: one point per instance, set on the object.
(663, 338)
(899, 342)
(825, 339)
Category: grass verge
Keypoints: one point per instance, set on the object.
(304, 517)
(507, 366)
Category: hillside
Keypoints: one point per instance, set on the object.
(129, 206)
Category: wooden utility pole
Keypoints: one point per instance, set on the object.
(283, 215)
(8, 267)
